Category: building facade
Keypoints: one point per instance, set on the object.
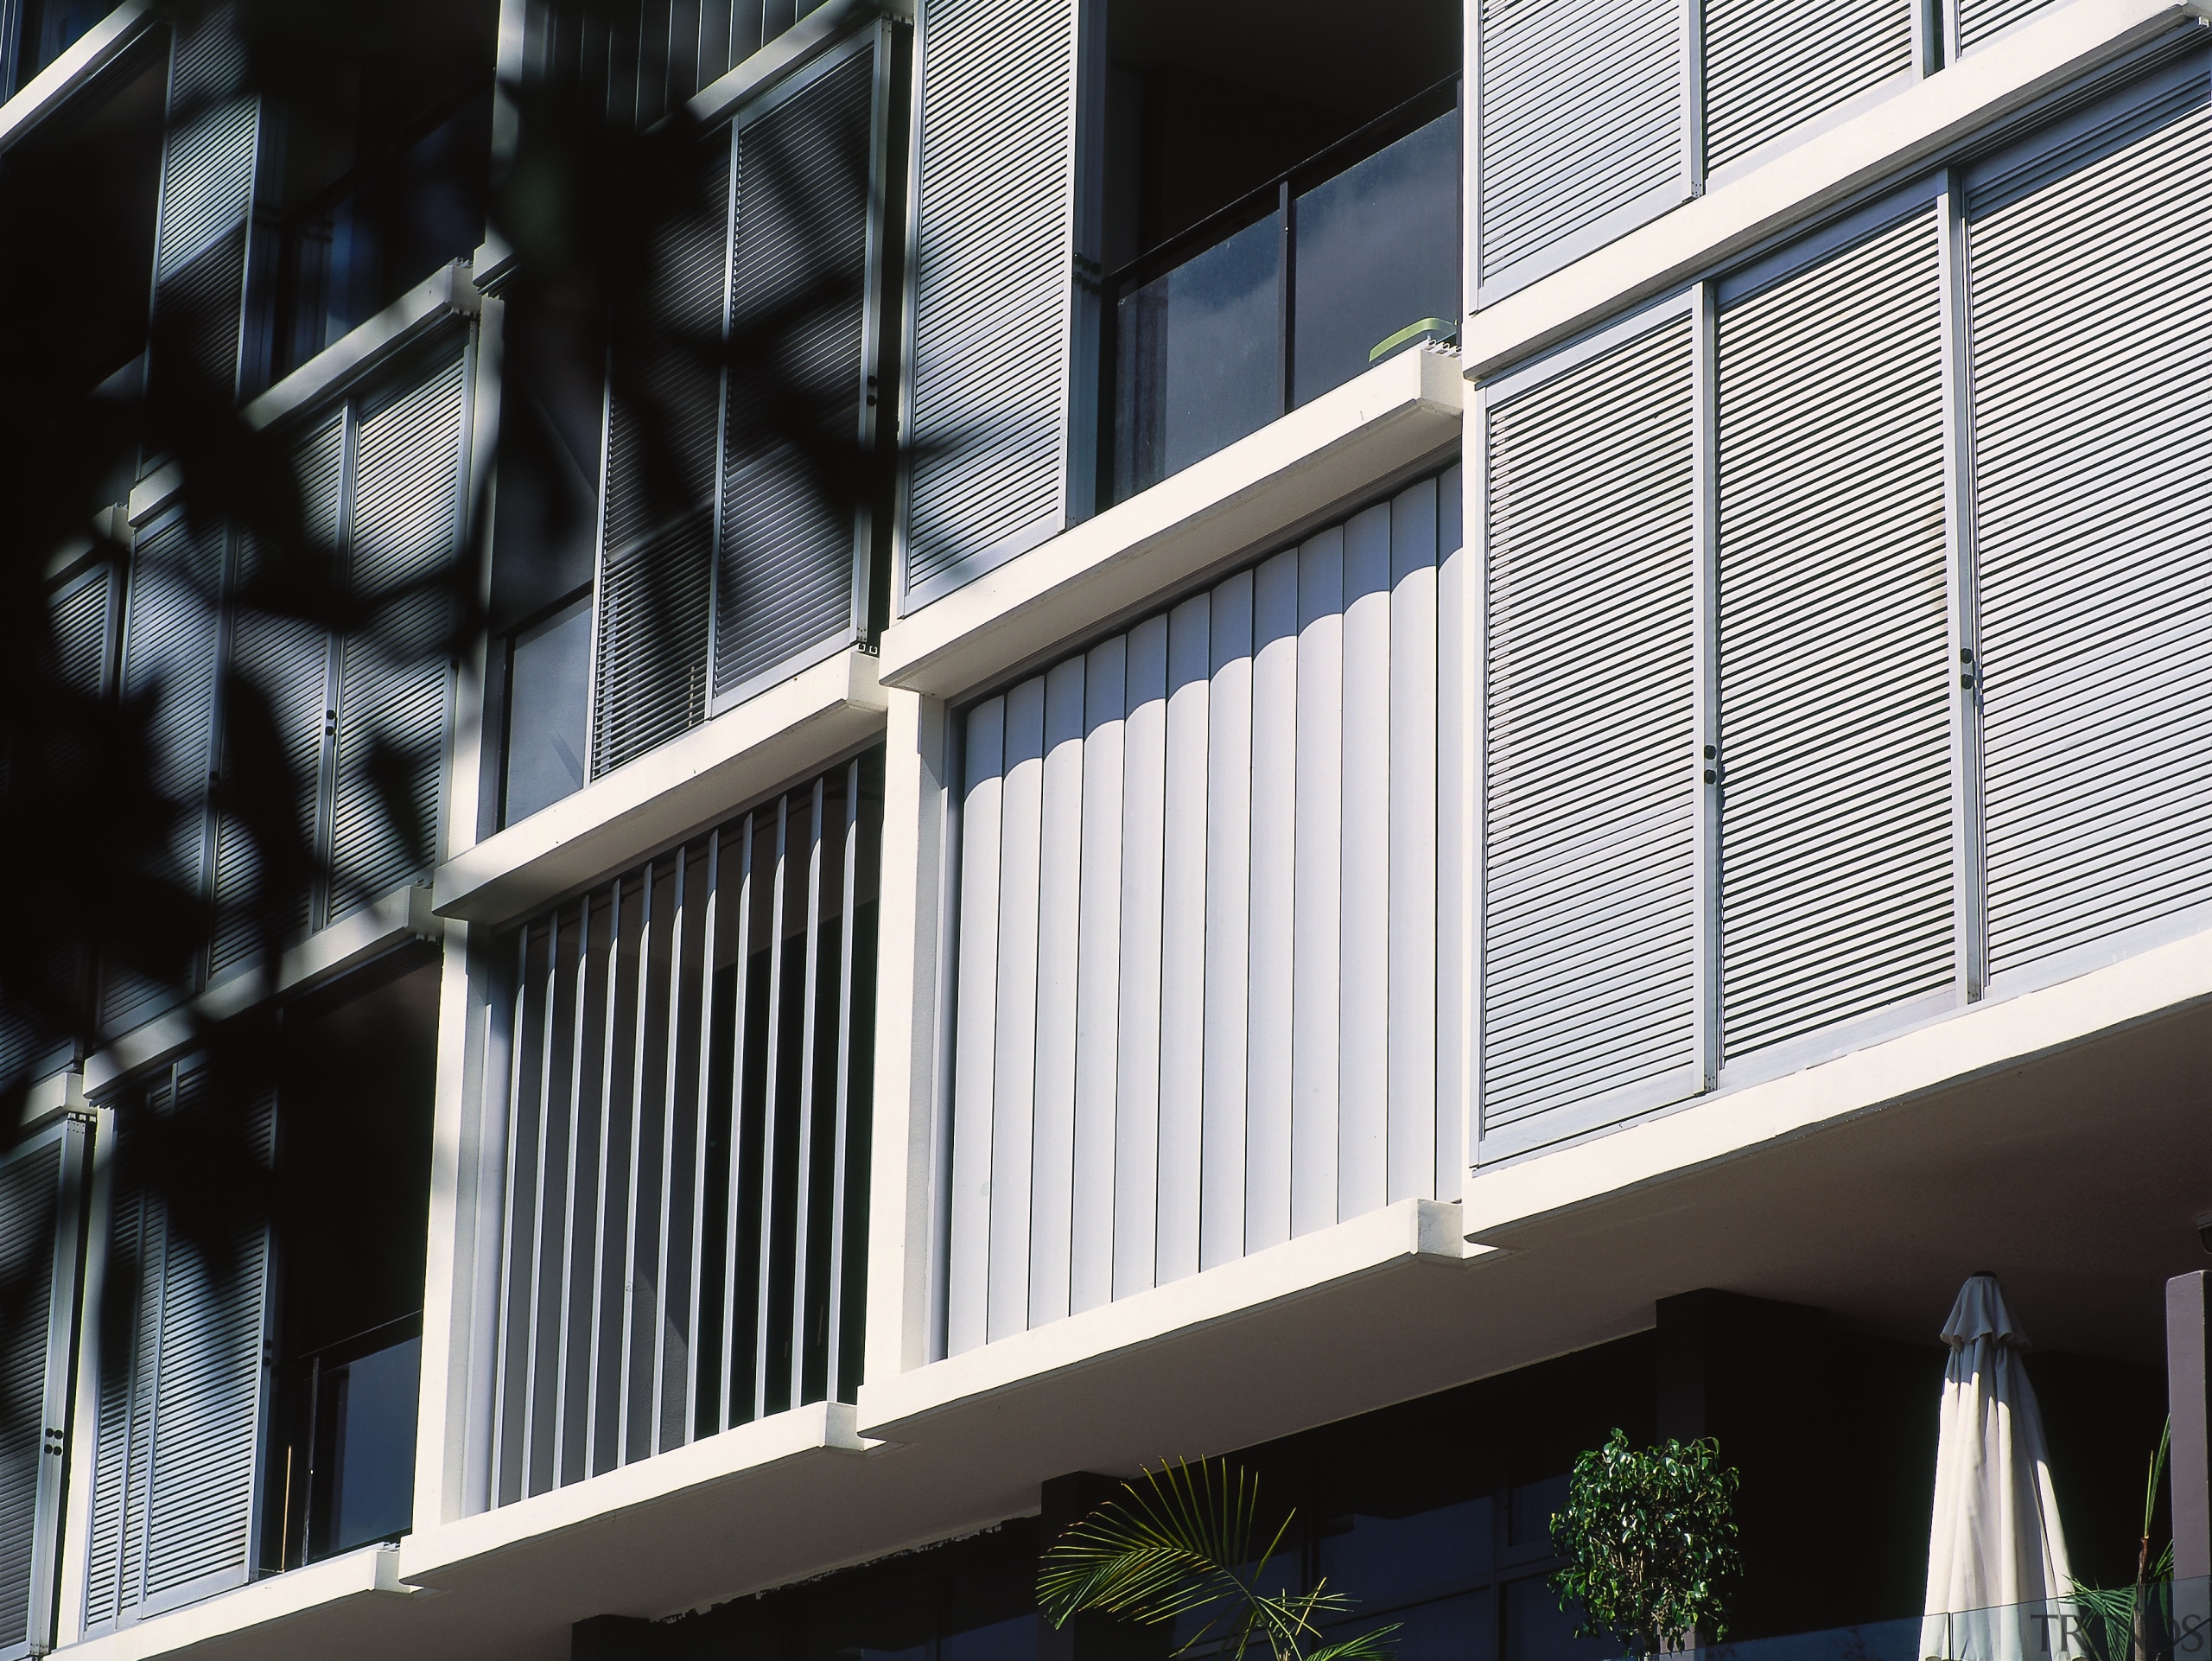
(1508, 732)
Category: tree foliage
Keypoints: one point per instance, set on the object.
(1650, 1539)
(1188, 1539)
(582, 198)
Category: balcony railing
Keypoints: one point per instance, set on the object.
(1349, 257)
(345, 1474)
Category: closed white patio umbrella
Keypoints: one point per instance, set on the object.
(1996, 1567)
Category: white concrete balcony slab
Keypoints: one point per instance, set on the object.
(1263, 489)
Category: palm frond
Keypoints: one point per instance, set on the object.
(1178, 1540)
(1361, 1646)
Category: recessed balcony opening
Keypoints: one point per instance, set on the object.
(1280, 209)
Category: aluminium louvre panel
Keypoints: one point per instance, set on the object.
(992, 295)
(1836, 677)
(1590, 951)
(1198, 959)
(675, 1192)
(2095, 629)
(1580, 116)
(1770, 68)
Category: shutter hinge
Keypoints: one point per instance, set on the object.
(56, 1441)
(1711, 765)
(1969, 670)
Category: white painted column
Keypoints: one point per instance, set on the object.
(902, 1174)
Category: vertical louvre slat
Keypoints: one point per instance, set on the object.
(1098, 992)
(1183, 943)
(735, 1395)
(1014, 1029)
(974, 1052)
(1185, 876)
(778, 1097)
(785, 589)
(1589, 1000)
(1768, 69)
(803, 1149)
(1836, 893)
(1059, 889)
(2094, 619)
(394, 691)
(1227, 910)
(1581, 121)
(1317, 918)
(1275, 820)
(993, 309)
(1364, 1020)
(1136, 1106)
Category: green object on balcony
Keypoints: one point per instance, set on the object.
(1440, 327)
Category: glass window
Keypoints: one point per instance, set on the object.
(50, 28)
(1378, 252)
(354, 1096)
(1200, 359)
(1385, 1559)
(1464, 1628)
(549, 704)
(371, 1403)
(1538, 1629)
(1531, 1508)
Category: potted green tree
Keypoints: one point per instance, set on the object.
(1650, 1539)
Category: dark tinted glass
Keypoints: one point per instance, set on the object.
(51, 27)
(549, 701)
(374, 1462)
(1377, 251)
(1199, 357)
(1383, 1559)
(1538, 1629)
(1532, 1506)
(1464, 1628)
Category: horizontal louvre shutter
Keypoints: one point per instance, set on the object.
(84, 642)
(168, 655)
(785, 587)
(663, 422)
(207, 1401)
(1980, 19)
(395, 689)
(290, 662)
(1768, 67)
(650, 683)
(1581, 119)
(208, 177)
(117, 1536)
(1836, 883)
(1589, 1000)
(83, 612)
(38, 1257)
(177, 1465)
(993, 288)
(2092, 519)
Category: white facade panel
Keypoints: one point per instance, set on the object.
(1251, 865)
